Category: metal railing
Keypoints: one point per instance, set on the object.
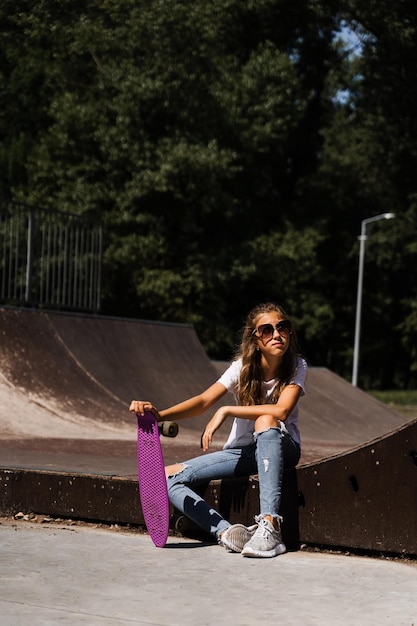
(49, 258)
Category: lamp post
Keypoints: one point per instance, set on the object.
(363, 237)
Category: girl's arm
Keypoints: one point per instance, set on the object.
(279, 412)
(189, 408)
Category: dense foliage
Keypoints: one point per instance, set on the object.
(231, 149)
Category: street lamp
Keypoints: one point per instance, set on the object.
(363, 237)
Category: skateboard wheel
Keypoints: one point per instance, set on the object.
(168, 429)
(181, 524)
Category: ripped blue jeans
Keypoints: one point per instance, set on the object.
(271, 451)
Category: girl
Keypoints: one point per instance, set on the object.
(267, 378)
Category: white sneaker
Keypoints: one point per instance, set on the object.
(266, 541)
(236, 536)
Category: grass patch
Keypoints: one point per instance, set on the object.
(403, 402)
(405, 398)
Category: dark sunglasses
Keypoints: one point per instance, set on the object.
(266, 331)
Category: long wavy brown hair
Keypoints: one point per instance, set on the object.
(251, 375)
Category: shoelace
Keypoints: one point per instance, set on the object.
(263, 528)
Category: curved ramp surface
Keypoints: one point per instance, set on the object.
(335, 416)
(73, 376)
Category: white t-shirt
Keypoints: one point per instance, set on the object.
(242, 430)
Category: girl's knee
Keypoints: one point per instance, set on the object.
(173, 470)
(265, 422)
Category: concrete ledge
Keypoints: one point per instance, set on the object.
(363, 500)
(115, 499)
(83, 496)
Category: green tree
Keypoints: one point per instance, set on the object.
(368, 168)
(186, 128)
(231, 148)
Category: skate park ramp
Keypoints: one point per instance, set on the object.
(71, 377)
(75, 375)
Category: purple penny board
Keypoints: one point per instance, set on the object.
(151, 478)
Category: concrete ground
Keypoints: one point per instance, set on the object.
(58, 573)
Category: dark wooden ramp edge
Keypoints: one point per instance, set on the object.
(363, 500)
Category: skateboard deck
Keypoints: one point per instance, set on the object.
(151, 476)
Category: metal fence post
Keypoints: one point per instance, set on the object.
(29, 257)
